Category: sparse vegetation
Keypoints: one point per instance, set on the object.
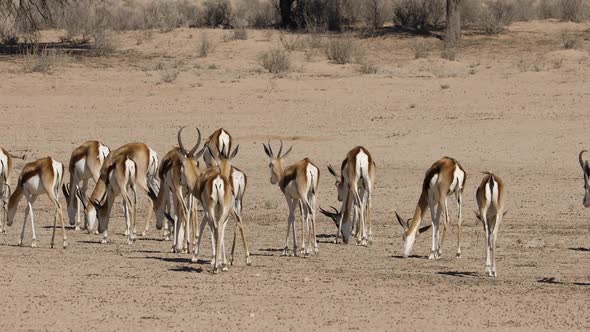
(204, 46)
(275, 60)
(291, 42)
(38, 59)
(448, 52)
(340, 50)
(104, 43)
(496, 16)
(419, 14)
(169, 75)
(569, 40)
(421, 48)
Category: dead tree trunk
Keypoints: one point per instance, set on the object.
(286, 14)
(453, 35)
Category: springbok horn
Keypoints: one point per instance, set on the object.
(280, 150)
(399, 220)
(179, 138)
(581, 160)
(270, 149)
(194, 149)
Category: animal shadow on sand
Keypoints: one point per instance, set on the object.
(189, 269)
(580, 249)
(557, 281)
(267, 252)
(460, 274)
(411, 256)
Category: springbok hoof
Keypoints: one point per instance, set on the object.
(458, 255)
(3, 231)
(432, 255)
(167, 238)
(34, 244)
(285, 252)
(19, 243)
(194, 259)
(225, 268)
(144, 233)
(65, 244)
(104, 241)
(96, 232)
(77, 228)
(248, 261)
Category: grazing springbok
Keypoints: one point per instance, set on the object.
(85, 164)
(220, 142)
(490, 198)
(216, 197)
(43, 176)
(586, 170)
(121, 176)
(146, 163)
(5, 169)
(356, 179)
(347, 224)
(179, 174)
(443, 178)
(238, 181)
(299, 183)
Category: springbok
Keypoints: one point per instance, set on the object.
(216, 197)
(238, 181)
(348, 219)
(146, 162)
(586, 170)
(490, 198)
(179, 174)
(356, 179)
(443, 178)
(220, 142)
(121, 175)
(43, 176)
(6, 159)
(85, 164)
(299, 183)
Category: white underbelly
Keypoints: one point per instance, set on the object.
(33, 186)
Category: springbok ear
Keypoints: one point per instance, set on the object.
(401, 221)
(199, 154)
(424, 229)
(332, 171)
(287, 153)
(235, 152)
(477, 215)
(210, 152)
(82, 197)
(267, 151)
(152, 193)
(65, 188)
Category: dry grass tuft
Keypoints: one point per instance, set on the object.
(569, 41)
(341, 50)
(275, 61)
(421, 48)
(43, 60)
(204, 46)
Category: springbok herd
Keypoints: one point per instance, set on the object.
(176, 183)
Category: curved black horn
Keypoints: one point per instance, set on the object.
(179, 138)
(399, 220)
(270, 149)
(194, 149)
(581, 160)
(280, 150)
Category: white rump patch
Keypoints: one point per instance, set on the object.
(3, 163)
(312, 174)
(103, 152)
(224, 142)
(362, 164)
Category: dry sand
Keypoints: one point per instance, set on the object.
(514, 104)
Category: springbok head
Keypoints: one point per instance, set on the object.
(586, 169)
(346, 224)
(222, 159)
(191, 154)
(408, 236)
(94, 210)
(276, 162)
(342, 190)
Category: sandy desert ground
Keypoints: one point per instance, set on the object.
(516, 104)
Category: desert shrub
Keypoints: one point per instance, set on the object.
(524, 10)
(372, 13)
(163, 15)
(569, 41)
(292, 42)
(470, 13)
(217, 13)
(421, 48)
(104, 42)
(236, 34)
(204, 46)
(367, 66)
(571, 10)
(38, 59)
(334, 15)
(275, 61)
(548, 9)
(340, 49)
(256, 13)
(419, 14)
(496, 16)
(169, 74)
